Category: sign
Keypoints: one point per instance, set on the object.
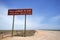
(20, 12)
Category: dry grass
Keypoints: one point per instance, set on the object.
(32, 35)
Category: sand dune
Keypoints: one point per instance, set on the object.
(37, 35)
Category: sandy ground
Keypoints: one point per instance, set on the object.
(38, 35)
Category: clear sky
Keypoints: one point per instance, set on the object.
(45, 15)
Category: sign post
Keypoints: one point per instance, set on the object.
(19, 12)
(25, 27)
(13, 25)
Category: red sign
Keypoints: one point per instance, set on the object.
(20, 12)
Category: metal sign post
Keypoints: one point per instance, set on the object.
(13, 25)
(25, 27)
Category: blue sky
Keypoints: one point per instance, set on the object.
(45, 15)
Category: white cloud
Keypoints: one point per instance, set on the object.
(55, 19)
(34, 21)
(5, 20)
